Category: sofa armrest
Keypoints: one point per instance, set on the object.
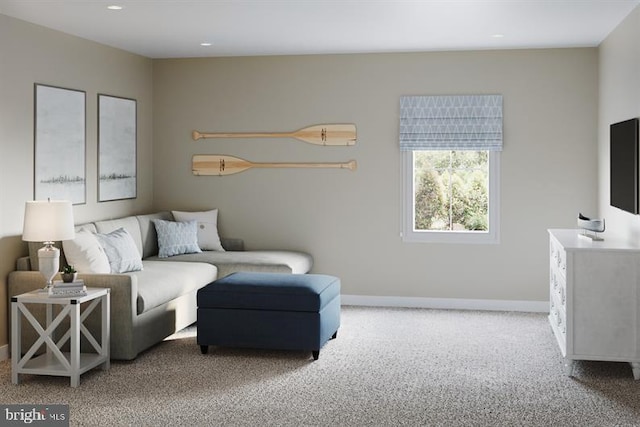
(23, 264)
(24, 281)
(124, 293)
(124, 289)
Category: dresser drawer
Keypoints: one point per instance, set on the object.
(558, 321)
(559, 313)
(558, 286)
(558, 258)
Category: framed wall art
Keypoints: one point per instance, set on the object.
(59, 144)
(117, 147)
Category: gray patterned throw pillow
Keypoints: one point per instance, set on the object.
(176, 238)
(121, 251)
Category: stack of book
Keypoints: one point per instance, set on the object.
(70, 289)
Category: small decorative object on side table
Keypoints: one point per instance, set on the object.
(69, 274)
(70, 289)
(591, 224)
(54, 362)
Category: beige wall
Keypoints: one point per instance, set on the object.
(350, 221)
(619, 100)
(31, 54)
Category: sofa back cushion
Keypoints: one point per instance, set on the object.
(129, 223)
(148, 232)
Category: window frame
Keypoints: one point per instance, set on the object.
(409, 235)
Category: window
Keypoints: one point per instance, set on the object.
(451, 154)
(451, 196)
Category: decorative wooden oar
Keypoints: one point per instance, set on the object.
(214, 164)
(329, 134)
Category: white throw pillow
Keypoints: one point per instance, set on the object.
(121, 251)
(208, 238)
(85, 254)
(176, 238)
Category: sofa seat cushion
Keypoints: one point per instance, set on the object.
(270, 291)
(160, 282)
(257, 261)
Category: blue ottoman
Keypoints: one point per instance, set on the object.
(269, 310)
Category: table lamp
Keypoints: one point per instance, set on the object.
(47, 222)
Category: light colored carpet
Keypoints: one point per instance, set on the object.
(388, 367)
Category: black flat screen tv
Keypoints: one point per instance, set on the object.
(624, 165)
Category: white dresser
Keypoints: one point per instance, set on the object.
(595, 299)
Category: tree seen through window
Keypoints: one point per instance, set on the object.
(451, 190)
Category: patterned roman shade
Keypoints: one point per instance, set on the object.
(451, 122)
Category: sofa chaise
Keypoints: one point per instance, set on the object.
(155, 302)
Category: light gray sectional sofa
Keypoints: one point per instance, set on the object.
(151, 304)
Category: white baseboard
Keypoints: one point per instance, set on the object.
(446, 303)
(4, 352)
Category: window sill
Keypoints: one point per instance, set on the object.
(454, 237)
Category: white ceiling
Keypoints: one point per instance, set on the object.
(175, 28)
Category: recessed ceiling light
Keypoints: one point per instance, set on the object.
(114, 7)
(205, 44)
(497, 36)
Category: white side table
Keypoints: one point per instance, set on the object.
(54, 362)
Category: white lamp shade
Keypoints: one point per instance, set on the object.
(48, 221)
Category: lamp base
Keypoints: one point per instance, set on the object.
(48, 264)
